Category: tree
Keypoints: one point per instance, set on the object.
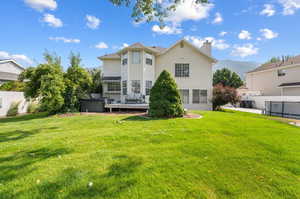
(12, 86)
(77, 82)
(164, 98)
(96, 86)
(46, 82)
(151, 10)
(283, 58)
(227, 78)
(223, 95)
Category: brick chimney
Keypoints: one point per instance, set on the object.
(206, 48)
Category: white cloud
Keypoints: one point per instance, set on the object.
(223, 33)
(65, 40)
(41, 5)
(169, 30)
(219, 44)
(92, 22)
(244, 50)
(244, 34)
(218, 18)
(101, 45)
(268, 10)
(52, 21)
(268, 34)
(290, 6)
(258, 38)
(17, 57)
(189, 10)
(124, 45)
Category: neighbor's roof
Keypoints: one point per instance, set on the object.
(289, 84)
(2, 61)
(8, 76)
(268, 66)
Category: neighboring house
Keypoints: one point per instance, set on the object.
(129, 74)
(9, 70)
(276, 79)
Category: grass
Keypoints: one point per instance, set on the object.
(222, 155)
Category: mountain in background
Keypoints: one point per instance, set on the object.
(240, 67)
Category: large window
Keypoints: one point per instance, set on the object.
(124, 61)
(182, 70)
(113, 86)
(136, 57)
(196, 96)
(136, 86)
(185, 96)
(148, 87)
(203, 96)
(124, 87)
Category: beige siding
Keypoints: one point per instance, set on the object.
(292, 91)
(10, 67)
(112, 67)
(268, 81)
(200, 71)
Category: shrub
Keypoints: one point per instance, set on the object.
(13, 109)
(164, 98)
(12, 86)
(223, 95)
(33, 107)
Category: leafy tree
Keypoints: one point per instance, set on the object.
(151, 10)
(96, 86)
(12, 86)
(77, 81)
(164, 98)
(227, 78)
(46, 82)
(283, 58)
(223, 95)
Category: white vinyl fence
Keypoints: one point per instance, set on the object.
(9, 97)
(260, 101)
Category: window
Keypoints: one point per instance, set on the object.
(280, 73)
(185, 96)
(203, 96)
(136, 57)
(136, 86)
(148, 87)
(182, 70)
(196, 96)
(149, 61)
(124, 87)
(113, 86)
(124, 61)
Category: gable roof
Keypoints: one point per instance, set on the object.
(3, 61)
(193, 46)
(268, 66)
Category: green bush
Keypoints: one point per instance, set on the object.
(33, 107)
(13, 109)
(165, 99)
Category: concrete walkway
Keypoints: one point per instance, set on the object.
(248, 110)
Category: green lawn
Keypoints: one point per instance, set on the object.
(222, 155)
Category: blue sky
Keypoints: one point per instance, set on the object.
(253, 30)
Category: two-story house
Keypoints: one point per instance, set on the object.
(129, 74)
(276, 79)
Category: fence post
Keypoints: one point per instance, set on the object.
(282, 109)
(270, 108)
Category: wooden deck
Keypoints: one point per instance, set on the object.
(127, 106)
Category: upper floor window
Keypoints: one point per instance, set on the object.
(113, 86)
(182, 70)
(185, 96)
(124, 87)
(280, 73)
(136, 57)
(148, 87)
(149, 61)
(124, 61)
(136, 86)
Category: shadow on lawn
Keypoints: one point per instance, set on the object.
(18, 164)
(22, 118)
(21, 134)
(142, 118)
(73, 183)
